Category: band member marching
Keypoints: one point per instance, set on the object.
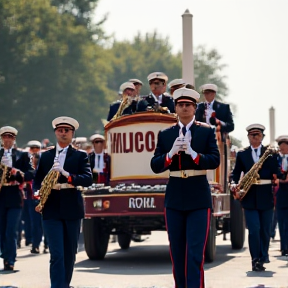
(214, 112)
(63, 209)
(15, 169)
(258, 203)
(99, 160)
(187, 149)
(282, 193)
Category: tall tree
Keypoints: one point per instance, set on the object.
(50, 67)
(151, 52)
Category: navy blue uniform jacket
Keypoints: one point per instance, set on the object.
(66, 204)
(107, 167)
(127, 111)
(223, 113)
(149, 100)
(282, 193)
(259, 196)
(193, 192)
(12, 196)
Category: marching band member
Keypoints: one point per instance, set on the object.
(138, 85)
(11, 194)
(214, 112)
(99, 160)
(64, 208)
(175, 84)
(156, 99)
(127, 89)
(34, 217)
(258, 203)
(282, 193)
(187, 149)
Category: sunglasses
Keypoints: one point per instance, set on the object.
(98, 141)
(64, 130)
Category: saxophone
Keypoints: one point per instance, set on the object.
(123, 105)
(49, 181)
(5, 173)
(47, 185)
(252, 176)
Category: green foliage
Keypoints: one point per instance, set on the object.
(151, 52)
(54, 62)
(51, 67)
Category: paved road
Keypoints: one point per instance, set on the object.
(147, 265)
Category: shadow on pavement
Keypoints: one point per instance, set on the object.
(265, 274)
(223, 254)
(146, 260)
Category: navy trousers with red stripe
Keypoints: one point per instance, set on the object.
(187, 232)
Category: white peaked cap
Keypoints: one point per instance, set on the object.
(176, 82)
(212, 87)
(97, 136)
(126, 85)
(157, 75)
(65, 120)
(134, 80)
(34, 143)
(255, 127)
(282, 138)
(184, 94)
(8, 130)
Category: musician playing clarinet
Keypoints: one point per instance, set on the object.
(11, 193)
(63, 210)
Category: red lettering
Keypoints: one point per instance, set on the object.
(150, 141)
(138, 138)
(118, 143)
(130, 149)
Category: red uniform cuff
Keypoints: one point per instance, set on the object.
(70, 179)
(196, 160)
(167, 161)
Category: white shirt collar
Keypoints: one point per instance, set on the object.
(59, 148)
(188, 125)
(211, 103)
(259, 147)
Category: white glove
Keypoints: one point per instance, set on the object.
(177, 147)
(7, 161)
(188, 149)
(57, 167)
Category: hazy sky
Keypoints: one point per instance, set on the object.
(251, 35)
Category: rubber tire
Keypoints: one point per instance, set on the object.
(124, 240)
(237, 224)
(95, 239)
(210, 250)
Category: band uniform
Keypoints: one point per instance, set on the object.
(188, 200)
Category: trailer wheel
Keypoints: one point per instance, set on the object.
(210, 250)
(96, 239)
(237, 224)
(124, 240)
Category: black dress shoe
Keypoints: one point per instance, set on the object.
(284, 253)
(258, 267)
(267, 260)
(45, 251)
(8, 267)
(34, 250)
